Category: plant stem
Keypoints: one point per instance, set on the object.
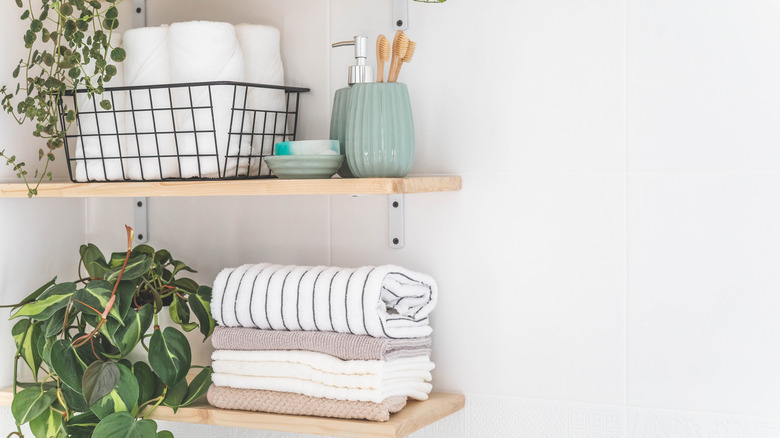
(161, 398)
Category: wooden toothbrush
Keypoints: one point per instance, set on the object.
(407, 58)
(382, 56)
(400, 45)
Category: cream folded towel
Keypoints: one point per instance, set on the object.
(324, 369)
(203, 51)
(383, 301)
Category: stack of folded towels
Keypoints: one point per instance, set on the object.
(321, 341)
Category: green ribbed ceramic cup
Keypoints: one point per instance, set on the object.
(338, 125)
(380, 132)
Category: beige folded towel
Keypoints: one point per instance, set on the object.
(297, 404)
(344, 346)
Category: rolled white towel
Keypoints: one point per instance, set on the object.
(263, 63)
(203, 51)
(324, 369)
(148, 63)
(383, 301)
(99, 148)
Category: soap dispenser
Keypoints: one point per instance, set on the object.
(359, 73)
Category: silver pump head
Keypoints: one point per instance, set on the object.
(359, 73)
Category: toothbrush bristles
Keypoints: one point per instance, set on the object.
(384, 48)
(400, 44)
(410, 51)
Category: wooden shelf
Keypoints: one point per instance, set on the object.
(415, 416)
(333, 186)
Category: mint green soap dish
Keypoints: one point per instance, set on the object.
(304, 166)
(307, 147)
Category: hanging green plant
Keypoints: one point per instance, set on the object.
(75, 338)
(69, 48)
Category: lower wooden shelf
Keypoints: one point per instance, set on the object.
(415, 416)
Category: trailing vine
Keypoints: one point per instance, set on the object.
(69, 47)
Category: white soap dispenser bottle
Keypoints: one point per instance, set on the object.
(358, 74)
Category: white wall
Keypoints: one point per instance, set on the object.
(608, 268)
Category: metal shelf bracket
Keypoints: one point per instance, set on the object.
(395, 205)
(400, 14)
(139, 17)
(141, 213)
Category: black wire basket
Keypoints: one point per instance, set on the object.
(174, 132)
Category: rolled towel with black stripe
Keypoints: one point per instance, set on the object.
(382, 301)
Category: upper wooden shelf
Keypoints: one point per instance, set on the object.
(415, 416)
(333, 186)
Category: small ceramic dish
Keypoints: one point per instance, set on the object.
(304, 166)
(307, 147)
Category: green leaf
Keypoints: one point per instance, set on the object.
(36, 25)
(123, 398)
(162, 257)
(189, 326)
(96, 295)
(53, 326)
(170, 355)
(46, 425)
(117, 259)
(44, 348)
(143, 249)
(180, 266)
(82, 425)
(99, 379)
(125, 293)
(31, 402)
(146, 382)
(175, 395)
(201, 307)
(48, 303)
(34, 296)
(75, 401)
(186, 284)
(164, 434)
(180, 312)
(105, 104)
(118, 54)
(198, 387)
(112, 13)
(90, 253)
(124, 425)
(136, 324)
(91, 351)
(67, 364)
(136, 268)
(26, 335)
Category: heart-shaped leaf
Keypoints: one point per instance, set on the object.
(170, 355)
(82, 425)
(136, 268)
(147, 382)
(46, 425)
(67, 364)
(93, 260)
(175, 395)
(124, 425)
(75, 401)
(93, 299)
(99, 379)
(198, 387)
(48, 303)
(123, 398)
(136, 324)
(31, 402)
(34, 296)
(200, 304)
(27, 335)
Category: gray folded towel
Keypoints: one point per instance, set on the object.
(341, 345)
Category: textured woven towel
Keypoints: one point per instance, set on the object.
(341, 345)
(383, 301)
(296, 404)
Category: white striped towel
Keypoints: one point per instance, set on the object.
(324, 369)
(384, 301)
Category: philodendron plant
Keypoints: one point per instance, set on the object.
(75, 338)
